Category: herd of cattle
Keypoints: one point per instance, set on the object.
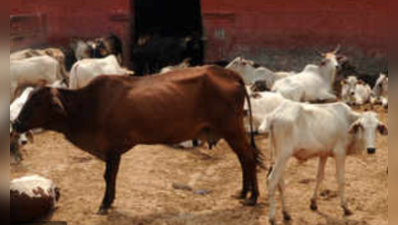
(105, 110)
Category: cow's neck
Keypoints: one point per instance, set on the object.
(357, 145)
(76, 107)
(357, 141)
(328, 74)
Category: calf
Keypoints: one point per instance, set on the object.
(32, 198)
(112, 114)
(86, 70)
(314, 84)
(380, 91)
(308, 131)
(355, 92)
(251, 74)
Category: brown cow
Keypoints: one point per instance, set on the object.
(32, 198)
(113, 114)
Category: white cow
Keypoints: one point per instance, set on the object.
(55, 53)
(251, 74)
(314, 84)
(87, 69)
(380, 91)
(307, 131)
(355, 92)
(32, 70)
(22, 54)
(263, 103)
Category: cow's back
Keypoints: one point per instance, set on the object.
(41, 67)
(86, 70)
(313, 127)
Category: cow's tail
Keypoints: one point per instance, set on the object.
(272, 148)
(73, 79)
(258, 155)
(64, 73)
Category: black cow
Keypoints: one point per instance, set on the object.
(151, 54)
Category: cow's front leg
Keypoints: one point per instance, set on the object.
(112, 168)
(340, 168)
(281, 187)
(329, 98)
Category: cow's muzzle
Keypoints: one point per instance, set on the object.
(14, 151)
(371, 151)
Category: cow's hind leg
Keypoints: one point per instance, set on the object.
(246, 186)
(319, 179)
(275, 180)
(248, 159)
(112, 168)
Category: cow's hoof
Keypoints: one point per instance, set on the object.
(250, 202)
(287, 217)
(314, 206)
(240, 195)
(347, 212)
(272, 222)
(103, 211)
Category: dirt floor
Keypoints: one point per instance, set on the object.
(146, 196)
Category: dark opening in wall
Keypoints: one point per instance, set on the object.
(166, 33)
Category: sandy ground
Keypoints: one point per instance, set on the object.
(145, 193)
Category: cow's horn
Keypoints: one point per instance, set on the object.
(337, 49)
(320, 53)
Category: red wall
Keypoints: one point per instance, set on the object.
(235, 27)
(285, 24)
(78, 18)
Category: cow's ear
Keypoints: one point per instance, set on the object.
(360, 82)
(30, 137)
(57, 103)
(383, 129)
(355, 128)
(343, 82)
(340, 58)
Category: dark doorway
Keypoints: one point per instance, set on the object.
(166, 33)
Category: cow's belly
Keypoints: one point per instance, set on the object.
(315, 144)
(169, 134)
(305, 154)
